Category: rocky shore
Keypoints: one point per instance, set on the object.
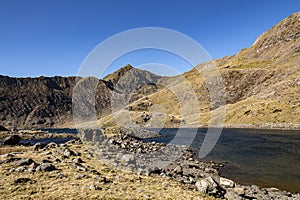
(186, 169)
(96, 165)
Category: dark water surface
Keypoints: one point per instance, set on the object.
(268, 158)
(56, 140)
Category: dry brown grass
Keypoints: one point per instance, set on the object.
(122, 185)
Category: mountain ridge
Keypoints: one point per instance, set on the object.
(262, 87)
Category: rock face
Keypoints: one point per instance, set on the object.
(12, 140)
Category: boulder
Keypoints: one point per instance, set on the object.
(207, 186)
(227, 183)
(12, 140)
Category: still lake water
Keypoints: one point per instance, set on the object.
(268, 158)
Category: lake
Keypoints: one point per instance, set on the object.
(268, 158)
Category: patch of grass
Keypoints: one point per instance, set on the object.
(121, 185)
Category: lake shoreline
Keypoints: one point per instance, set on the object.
(248, 190)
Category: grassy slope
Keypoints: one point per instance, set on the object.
(262, 85)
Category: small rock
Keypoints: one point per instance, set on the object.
(80, 167)
(178, 169)
(74, 141)
(94, 187)
(226, 182)
(60, 175)
(27, 161)
(22, 180)
(232, 195)
(47, 153)
(80, 176)
(77, 160)
(9, 160)
(45, 167)
(12, 140)
(207, 186)
(21, 169)
(12, 170)
(50, 145)
(45, 161)
(57, 160)
(240, 191)
(128, 159)
(38, 146)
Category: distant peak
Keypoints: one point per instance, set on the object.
(115, 76)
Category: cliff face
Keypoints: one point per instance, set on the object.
(47, 101)
(261, 83)
(35, 102)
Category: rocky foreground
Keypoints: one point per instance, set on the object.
(73, 170)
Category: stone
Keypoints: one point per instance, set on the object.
(226, 182)
(38, 146)
(27, 161)
(239, 190)
(77, 160)
(22, 180)
(128, 159)
(9, 160)
(207, 186)
(232, 195)
(60, 175)
(80, 167)
(80, 176)
(20, 169)
(50, 145)
(68, 152)
(45, 161)
(178, 169)
(12, 140)
(47, 153)
(45, 167)
(57, 160)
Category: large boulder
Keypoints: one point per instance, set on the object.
(12, 140)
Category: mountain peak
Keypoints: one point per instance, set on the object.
(115, 76)
(285, 31)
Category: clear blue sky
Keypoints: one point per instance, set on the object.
(52, 37)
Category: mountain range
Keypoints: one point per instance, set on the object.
(261, 89)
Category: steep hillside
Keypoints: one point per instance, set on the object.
(262, 85)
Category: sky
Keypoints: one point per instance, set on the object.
(54, 37)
